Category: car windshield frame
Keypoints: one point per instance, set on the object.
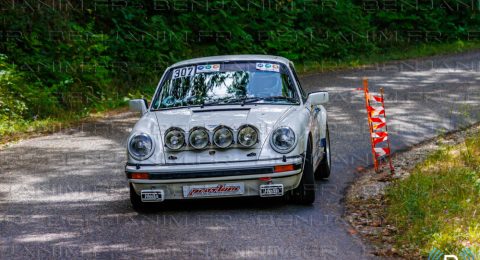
(286, 68)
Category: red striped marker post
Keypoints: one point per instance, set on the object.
(377, 124)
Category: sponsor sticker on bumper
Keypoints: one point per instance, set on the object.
(213, 190)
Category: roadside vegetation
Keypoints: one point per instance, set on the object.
(438, 205)
(61, 62)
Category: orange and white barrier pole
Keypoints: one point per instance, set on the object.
(377, 124)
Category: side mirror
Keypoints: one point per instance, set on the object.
(317, 98)
(138, 105)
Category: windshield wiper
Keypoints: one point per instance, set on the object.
(207, 103)
(241, 100)
(248, 100)
(291, 99)
(273, 98)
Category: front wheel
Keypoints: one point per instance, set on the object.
(305, 192)
(323, 170)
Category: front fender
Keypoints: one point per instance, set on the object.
(299, 121)
(148, 124)
(322, 120)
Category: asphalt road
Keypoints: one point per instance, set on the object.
(65, 196)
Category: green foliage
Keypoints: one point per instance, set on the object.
(437, 206)
(95, 55)
(12, 107)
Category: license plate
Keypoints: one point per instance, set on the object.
(271, 190)
(213, 190)
(152, 196)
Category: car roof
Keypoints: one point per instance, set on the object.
(244, 57)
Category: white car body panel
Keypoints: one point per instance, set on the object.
(305, 120)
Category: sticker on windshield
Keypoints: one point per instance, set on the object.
(268, 67)
(208, 68)
(183, 72)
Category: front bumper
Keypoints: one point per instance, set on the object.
(172, 178)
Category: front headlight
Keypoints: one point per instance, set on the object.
(283, 140)
(247, 136)
(174, 138)
(198, 138)
(141, 146)
(223, 137)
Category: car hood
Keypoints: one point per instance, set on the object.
(264, 117)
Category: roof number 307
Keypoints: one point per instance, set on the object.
(183, 72)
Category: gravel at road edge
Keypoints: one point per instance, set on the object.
(365, 201)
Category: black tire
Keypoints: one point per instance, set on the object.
(325, 166)
(305, 192)
(136, 201)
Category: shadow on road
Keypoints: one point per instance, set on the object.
(65, 195)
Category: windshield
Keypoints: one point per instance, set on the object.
(226, 83)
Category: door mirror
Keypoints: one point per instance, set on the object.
(138, 105)
(317, 98)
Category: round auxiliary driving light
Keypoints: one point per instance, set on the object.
(198, 138)
(174, 138)
(247, 136)
(223, 137)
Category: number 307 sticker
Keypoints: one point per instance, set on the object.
(183, 72)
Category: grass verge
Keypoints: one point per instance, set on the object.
(438, 205)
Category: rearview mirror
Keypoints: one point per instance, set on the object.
(138, 105)
(317, 98)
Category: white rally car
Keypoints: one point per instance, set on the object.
(228, 126)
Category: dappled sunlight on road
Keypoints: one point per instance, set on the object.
(65, 195)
